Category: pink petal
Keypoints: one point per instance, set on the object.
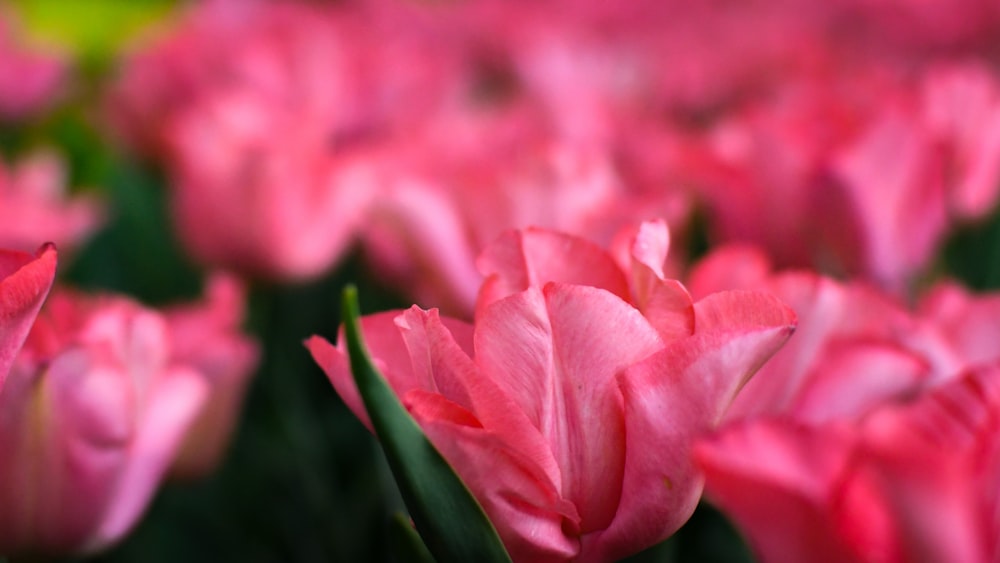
(774, 480)
(850, 378)
(556, 353)
(524, 505)
(533, 257)
(673, 396)
(24, 283)
(174, 403)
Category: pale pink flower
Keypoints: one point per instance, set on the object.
(567, 412)
(91, 417)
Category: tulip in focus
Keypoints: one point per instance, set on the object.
(567, 412)
(25, 281)
(91, 417)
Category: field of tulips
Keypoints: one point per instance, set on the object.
(500, 280)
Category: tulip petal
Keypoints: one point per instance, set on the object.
(855, 376)
(174, 403)
(774, 479)
(24, 283)
(532, 257)
(521, 500)
(673, 396)
(556, 353)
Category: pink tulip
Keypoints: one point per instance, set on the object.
(912, 481)
(91, 417)
(968, 321)
(261, 117)
(566, 411)
(479, 173)
(25, 281)
(854, 349)
(30, 79)
(870, 168)
(206, 336)
(35, 206)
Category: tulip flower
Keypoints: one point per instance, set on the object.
(91, 417)
(35, 206)
(30, 79)
(255, 110)
(25, 281)
(855, 348)
(206, 336)
(913, 481)
(870, 179)
(568, 413)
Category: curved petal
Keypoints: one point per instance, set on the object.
(173, 405)
(524, 505)
(556, 353)
(774, 479)
(673, 396)
(852, 377)
(64, 432)
(24, 283)
(533, 257)
(443, 367)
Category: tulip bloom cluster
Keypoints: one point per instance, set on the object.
(512, 169)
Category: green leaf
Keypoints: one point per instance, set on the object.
(448, 518)
(407, 547)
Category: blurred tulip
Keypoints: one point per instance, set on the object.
(91, 417)
(870, 166)
(855, 347)
(258, 113)
(910, 482)
(25, 281)
(35, 208)
(206, 336)
(567, 413)
(29, 80)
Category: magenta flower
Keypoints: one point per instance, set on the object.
(566, 411)
(91, 417)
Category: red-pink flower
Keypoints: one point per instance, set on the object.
(910, 481)
(207, 337)
(35, 208)
(25, 281)
(91, 416)
(566, 411)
